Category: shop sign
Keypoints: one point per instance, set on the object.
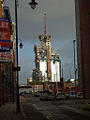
(5, 42)
(6, 57)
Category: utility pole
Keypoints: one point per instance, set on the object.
(62, 72)
(74, 66)
(60, 68)
(17, 84)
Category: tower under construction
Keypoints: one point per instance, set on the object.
(46, 60)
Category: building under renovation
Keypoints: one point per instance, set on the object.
(46, 60)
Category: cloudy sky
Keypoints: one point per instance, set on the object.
(60, 25)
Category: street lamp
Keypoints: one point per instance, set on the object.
(33, 5)
(20, 45)
(60, 67)
(75, 70)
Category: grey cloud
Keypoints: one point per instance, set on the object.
(60, 25)
(68, 71)
(60, 18)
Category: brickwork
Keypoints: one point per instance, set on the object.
(1, 13)
(83, 24)
(8, 83)
(1, 99)
(1, 10)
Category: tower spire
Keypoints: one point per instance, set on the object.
(45, 24)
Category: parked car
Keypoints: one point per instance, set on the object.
(61, 96)
(43, 96)
(67, 96)
(46, 95)
(80, 95)
(22, 93)
(37, 94)
(50, 96)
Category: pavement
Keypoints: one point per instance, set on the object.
(28, 112)
(85, 105)
(8, 112)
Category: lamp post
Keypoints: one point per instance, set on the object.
(33, 5)
(60, 68)
(20, 45)
(3, 82)
(75, 70)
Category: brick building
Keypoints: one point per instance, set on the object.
(83, 44)
(1, 90)
(7, 61)
(1, 9)
(1, 13)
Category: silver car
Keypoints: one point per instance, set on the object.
(50, 96)
(80, 95)
(43, 96)
(37, 94)
(61, 96)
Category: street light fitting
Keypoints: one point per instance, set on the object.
(20, 45)
(33, 4)
(74, 41)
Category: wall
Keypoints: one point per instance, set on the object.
(1, 99)
(83, 37)
(0, 63)
(1, 10)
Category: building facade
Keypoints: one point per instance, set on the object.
(1, 90)
(1, 8)
(7, 60)
(82, 8)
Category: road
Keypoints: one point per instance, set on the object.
(57, 110)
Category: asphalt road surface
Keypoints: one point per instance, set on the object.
(58, 110)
